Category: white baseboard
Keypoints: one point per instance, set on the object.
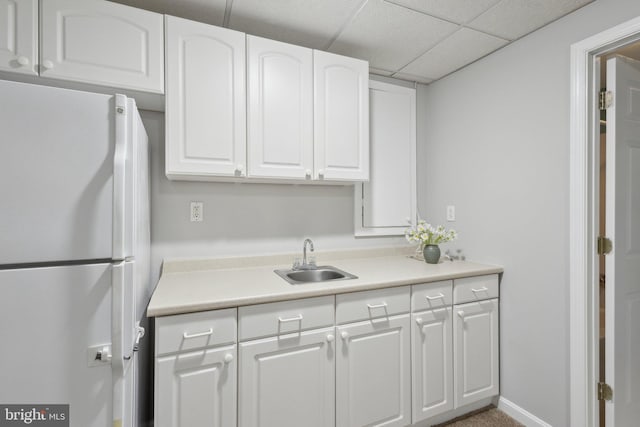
(519, 414)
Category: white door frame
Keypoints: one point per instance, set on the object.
(583, 211)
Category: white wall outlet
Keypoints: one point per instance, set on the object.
(451, 213)
(197, 211)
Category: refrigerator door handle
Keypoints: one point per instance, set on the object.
(119, 177)
(117, 336)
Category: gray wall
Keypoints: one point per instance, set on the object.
(245, 219)
(495, 143)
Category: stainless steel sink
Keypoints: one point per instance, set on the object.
(324, 273)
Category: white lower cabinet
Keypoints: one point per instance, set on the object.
(388, 357)
(373, 373)
(432, 363)
(196, 388)
(196, 369)
(475, 351)
(288, 381)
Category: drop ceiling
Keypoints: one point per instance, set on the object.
(416, 40)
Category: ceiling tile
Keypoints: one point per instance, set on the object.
(456, 51)
(412, 78)
(207, 11)
(390, 36)
(512, 19)
(458, 11)
(310, 23)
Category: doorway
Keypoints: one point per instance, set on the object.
(588, 275)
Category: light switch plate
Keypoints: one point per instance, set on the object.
(451, 213)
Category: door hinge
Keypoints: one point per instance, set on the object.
(605, 245)
(605, 99)
(604, 391)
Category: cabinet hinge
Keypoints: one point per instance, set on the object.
(604, 391)
(605, 100)
(605, 245)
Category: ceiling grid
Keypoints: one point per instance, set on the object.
(416, 40)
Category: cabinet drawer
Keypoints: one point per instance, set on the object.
(195, 330)
(475, 288)
(431, 295)
(371, 304)
(285, 317)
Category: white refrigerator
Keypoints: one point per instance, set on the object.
(74, 251)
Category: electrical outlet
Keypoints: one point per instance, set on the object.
(197, 211)
(451, 213)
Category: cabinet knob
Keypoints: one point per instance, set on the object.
(47, 64)
(344, 335)
(228, 358)
(307, 173)
(419, 321)
(239, 168)
(23, 60)
(330, 338)
(461, 314)
(321, 172)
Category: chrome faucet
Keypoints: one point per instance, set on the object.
(305, 265)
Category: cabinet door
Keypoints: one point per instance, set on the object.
(373, 382)
(432, 379)
(385, 204)
(205, 100)
(341, 117)
(19, 36)
(475, 351)
(280, 122)
(196, 389)
(101, 42)
(288, 381)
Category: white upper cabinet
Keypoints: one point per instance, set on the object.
(341, 117)
(101, 42)
(205, 100)
(280, 110)
(19, 36)
(386, 205)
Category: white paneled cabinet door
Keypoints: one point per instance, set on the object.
(288, 381)
(432, 363)
(19, 36)
(341, 117)
(373, 380)
(475, 351)
(101, 42)
(280, 110)
(205, 100)
(196, 389)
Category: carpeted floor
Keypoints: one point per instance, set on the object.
(485, 417)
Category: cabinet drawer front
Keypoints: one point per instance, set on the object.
(431, 295)
(285, 317)
(195, 330)
(372, 304)
(475, 288)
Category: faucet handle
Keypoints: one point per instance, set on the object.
(296, 263)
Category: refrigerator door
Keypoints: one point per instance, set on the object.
(52, 320)
(56, 174)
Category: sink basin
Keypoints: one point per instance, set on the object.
(325, 273)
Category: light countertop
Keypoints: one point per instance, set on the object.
(199, 285)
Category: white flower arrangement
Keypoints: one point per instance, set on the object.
(426, 234)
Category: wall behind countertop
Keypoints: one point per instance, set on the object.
(245, 219)
(497, 147)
